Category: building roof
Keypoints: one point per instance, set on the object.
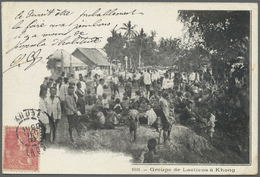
(97, 56)
(59, 54)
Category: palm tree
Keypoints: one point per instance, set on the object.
(141, 40)
(130, 33)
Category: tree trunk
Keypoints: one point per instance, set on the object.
(62, 62)
(140, 51)
(130, 62)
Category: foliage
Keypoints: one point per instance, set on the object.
(51, 64)
(167, 48)
(139, 46)
(223, 33)
(129, 30)
(114, 47)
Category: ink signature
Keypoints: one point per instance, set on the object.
(21, 59)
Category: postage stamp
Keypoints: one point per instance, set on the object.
(21, 149)
(130, 88)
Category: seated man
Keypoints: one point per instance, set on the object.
(187, 116)
(118, 110)
(101, 118)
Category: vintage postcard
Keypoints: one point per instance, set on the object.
(130, 88)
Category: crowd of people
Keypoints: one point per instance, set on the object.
(158, 102)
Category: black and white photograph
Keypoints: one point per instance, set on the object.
(130, 88)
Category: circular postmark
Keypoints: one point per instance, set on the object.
(30, 130)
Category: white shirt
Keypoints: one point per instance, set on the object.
(172, 75)
(137, 76)
(147, 78)
(151, 116)
(105, 103)
(115, 80)
(165, 107)
(83, 86)
(43, 117)
(158, 75)
(100, 90)
(48, 92)
(192, 76)
(167, 83)
(58, 90)
(154, 77)
(63, 91)
(53, 107)
(212, 120)
(129, 75)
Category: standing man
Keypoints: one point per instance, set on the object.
(59, 83)
(43, 117)
(73, 79)
(83, 84)
(51, 81)
(154, 79)
(100, 89)
(54, 110)
(63, 93)
(71, 110)
(95, 82)
(147, 83)
(115, 82)
(80, 102)
(137, 77)
(165, 117)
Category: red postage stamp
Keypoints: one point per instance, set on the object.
(21, 149)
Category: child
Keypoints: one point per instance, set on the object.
(89, 98)
(137, 96)
(128, 88)
(111, 102)
(118, 110)
(143, 104)
(136, 99)
(99, 101)
(142, 110)
(211, 125)
(105, 104)
(150, 156)
(150, 115)
(133, 120)
(154, 99)
(125, 104)
(158, 123)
